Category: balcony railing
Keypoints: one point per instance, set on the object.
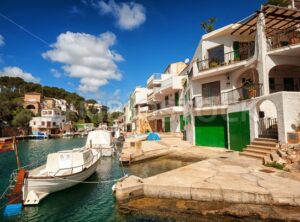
(155, 76)
(229, 97)
(228, 59)
(281, 87)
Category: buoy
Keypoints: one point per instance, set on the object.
(12, 210)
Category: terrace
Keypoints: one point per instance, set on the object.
(229, 97)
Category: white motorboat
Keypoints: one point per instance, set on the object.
(102, 141)
(62, 170)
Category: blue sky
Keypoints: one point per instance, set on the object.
(103, 49)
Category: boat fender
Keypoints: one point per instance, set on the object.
(12, 210)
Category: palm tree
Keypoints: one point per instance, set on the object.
(209, 25)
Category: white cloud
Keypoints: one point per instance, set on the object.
(14, 71)
(55, 73)
(129, 15)
(1, 40)
(87, 57)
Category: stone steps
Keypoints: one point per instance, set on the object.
(266, 139)
(264, 143)
(260, 148)
(267, 148)
(251, 154)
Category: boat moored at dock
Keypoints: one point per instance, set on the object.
(102, 141)
(62, 170)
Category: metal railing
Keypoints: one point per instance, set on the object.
(228, 59)
(267, 128)
(230, 97)
(81, 167)
(283, 38)
(284, 87)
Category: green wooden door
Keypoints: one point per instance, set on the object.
(211, 131)
(239, 130)
(167, 124)
(181, 123)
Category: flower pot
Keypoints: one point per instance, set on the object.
(252, 93)
(293, 137)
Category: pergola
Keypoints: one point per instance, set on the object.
(277, 19)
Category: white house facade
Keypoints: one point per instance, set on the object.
(244, 81)
(51, 122)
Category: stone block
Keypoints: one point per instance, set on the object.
(274, 156)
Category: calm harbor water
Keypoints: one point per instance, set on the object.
(84, 202)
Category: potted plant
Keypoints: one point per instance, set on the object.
(252, 91)
(213, 64)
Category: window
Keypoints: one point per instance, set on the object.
(43, 123)
(167, 100)
(158, 106)
(211, 94)
(216, 54)
(49, 112)
(34, 123)
(272, 83)
(53, 123)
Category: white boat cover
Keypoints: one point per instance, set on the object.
(98, 138)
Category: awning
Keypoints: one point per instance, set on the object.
(276, 19)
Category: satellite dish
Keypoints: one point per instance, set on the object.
(187, 60)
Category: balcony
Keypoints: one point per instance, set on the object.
(284, 43)
(229, 58)
(281, 87)
(154, 79)
(171, 84)
(227, 98)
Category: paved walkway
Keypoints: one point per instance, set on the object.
(230, 178)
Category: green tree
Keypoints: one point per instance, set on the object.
(22, 118)
(92, 101)
(112, 116)
(72, 116)
(95, 120)
(209, 25)
(282, 3)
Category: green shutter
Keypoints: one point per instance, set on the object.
(239, 130)
(176, 99)
(167, 124)
(211, 131)
(181, 123)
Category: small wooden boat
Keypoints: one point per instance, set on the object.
(62, 170)
(6, 144)
(136, 138)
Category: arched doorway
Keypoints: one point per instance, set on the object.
(250, 75)
(284, 78)
(267, 119)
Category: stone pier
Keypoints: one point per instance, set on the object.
(231, 179)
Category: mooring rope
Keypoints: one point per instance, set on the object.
(88, 182)
(5, 191)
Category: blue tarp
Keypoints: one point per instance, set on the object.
(153, 136)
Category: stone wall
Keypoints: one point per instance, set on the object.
(14, 131)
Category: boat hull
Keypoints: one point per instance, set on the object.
(37, 188)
